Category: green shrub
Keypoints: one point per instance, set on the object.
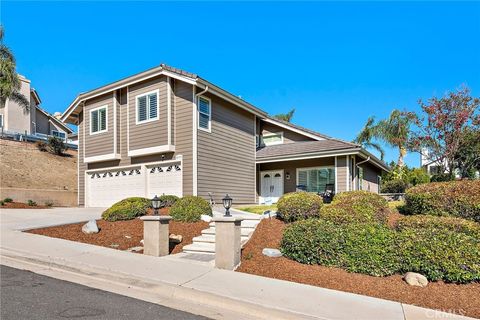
(31, 203)
(190, 209)
(2, 203)
(299, 205)
(168, 200)
(42, 146)
(49, 203)
(355, 247)
(440, 254)
(127, 209)
(454, 198)
(56, 146)
(394, 186)
(356, 206)
(439, 223)
(7, 200)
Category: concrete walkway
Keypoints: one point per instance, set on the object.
(179, 282)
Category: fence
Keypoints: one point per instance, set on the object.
(17, 136)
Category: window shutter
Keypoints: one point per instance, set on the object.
(204, 113)
(103, 119)
(142, 108)
(94, 121)
(204, 106)
(152, 100)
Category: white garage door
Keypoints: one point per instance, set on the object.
(107, 187)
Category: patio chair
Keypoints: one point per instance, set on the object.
(329, 193)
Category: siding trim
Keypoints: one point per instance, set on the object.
(104, 157)
(151, 150)
(306, 134)
(128, 118)
(157, 92)
(336, 176)
(195, 142)
(347, 162)
(90, 120)
(306, 156)
(114, 121)
(169, 111)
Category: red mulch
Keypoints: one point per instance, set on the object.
(19, 205)
(122, 235)
(460, 299)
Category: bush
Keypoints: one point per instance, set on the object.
(31, 203)
(7, 200)
(454, 198)
(356, 206)
(2, 203)
(440, 254)
(56, 146)
(42, 146)
(299, 205)
(127, 209)
(49, 203)
(168, 200)
(190, 209)
(356, 247)
(394, 186)
(441, 224)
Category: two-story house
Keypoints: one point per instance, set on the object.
(167, 131)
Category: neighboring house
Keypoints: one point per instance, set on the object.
(167, 131)
(37, 122)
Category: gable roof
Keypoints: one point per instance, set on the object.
(304, 148)
(53, 119)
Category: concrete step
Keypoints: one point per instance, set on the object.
(210, 238)
(245, 223)
(243, 231)
(200, 247)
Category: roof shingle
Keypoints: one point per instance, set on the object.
(288, 149)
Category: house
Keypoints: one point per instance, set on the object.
(167, 131)
(37, 123)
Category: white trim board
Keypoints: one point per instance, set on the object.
(209, 129)
(146, 94)
(90, 120)
(104, 157)
(151, 150)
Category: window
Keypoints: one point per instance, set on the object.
(1, 120)
(147, 107)
(98, 120)
(59, 134)
(360, 178)
(316, 179)
(273, 139)
(204, 114)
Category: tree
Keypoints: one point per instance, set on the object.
(366, 136)
(9, 81)
(445, 130)
(467, 157)
(393, 131)
(285, 116)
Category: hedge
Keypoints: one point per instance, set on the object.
(301, 205)
(454, 198)
(168, 200)
(453, 224)
(190, 209)
(356, 247)
(356, 206)
(127, 209)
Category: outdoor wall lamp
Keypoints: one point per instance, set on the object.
(227, 204)
(156, 202)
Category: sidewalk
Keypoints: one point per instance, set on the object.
(179, 282)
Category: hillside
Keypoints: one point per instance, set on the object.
(22, 165)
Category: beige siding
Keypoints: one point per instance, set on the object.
(102, 143)
(184, 131)
(290, 168)
(42, 123)
(288, 136)
(342, 172)
(226, 155)
(370, 176)
(154, 133)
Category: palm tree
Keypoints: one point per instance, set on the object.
(366, 136)
(285, 116)
(393, 131)
(9, 81)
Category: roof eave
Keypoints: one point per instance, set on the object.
(309, 155)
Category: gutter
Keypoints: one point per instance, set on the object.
(364, 161)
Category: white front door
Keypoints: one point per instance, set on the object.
(271, 186)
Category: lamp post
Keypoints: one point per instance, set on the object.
(227, 204)
(156, 202)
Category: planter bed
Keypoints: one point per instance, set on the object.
(20, 205)
(122, 235)
(460, 299)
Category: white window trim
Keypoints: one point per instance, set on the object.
(157, 92)
(106, 119)
(316, 168)
(209, 114)
(60, 131)
(273, 134)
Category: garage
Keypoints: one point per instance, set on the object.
(107, 186)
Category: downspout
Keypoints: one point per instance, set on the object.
(195, 143)
(200, 93)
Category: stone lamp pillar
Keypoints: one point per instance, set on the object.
(156, 235)
(227, 242)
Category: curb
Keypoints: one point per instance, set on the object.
(158, 292)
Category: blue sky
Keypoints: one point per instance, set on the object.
(336, 63)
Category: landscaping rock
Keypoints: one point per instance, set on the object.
(114, 245)
(274, 253)
(415, 279)
(206, 218)
(90, 227)
(142, 242)
(176, 238)
(134, 249)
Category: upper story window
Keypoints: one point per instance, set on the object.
(98, 120)
(147, 107)
(59, 134)
(204, 114)
(272, 139)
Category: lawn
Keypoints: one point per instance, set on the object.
(258, 209)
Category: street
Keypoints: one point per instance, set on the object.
(26, 295)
